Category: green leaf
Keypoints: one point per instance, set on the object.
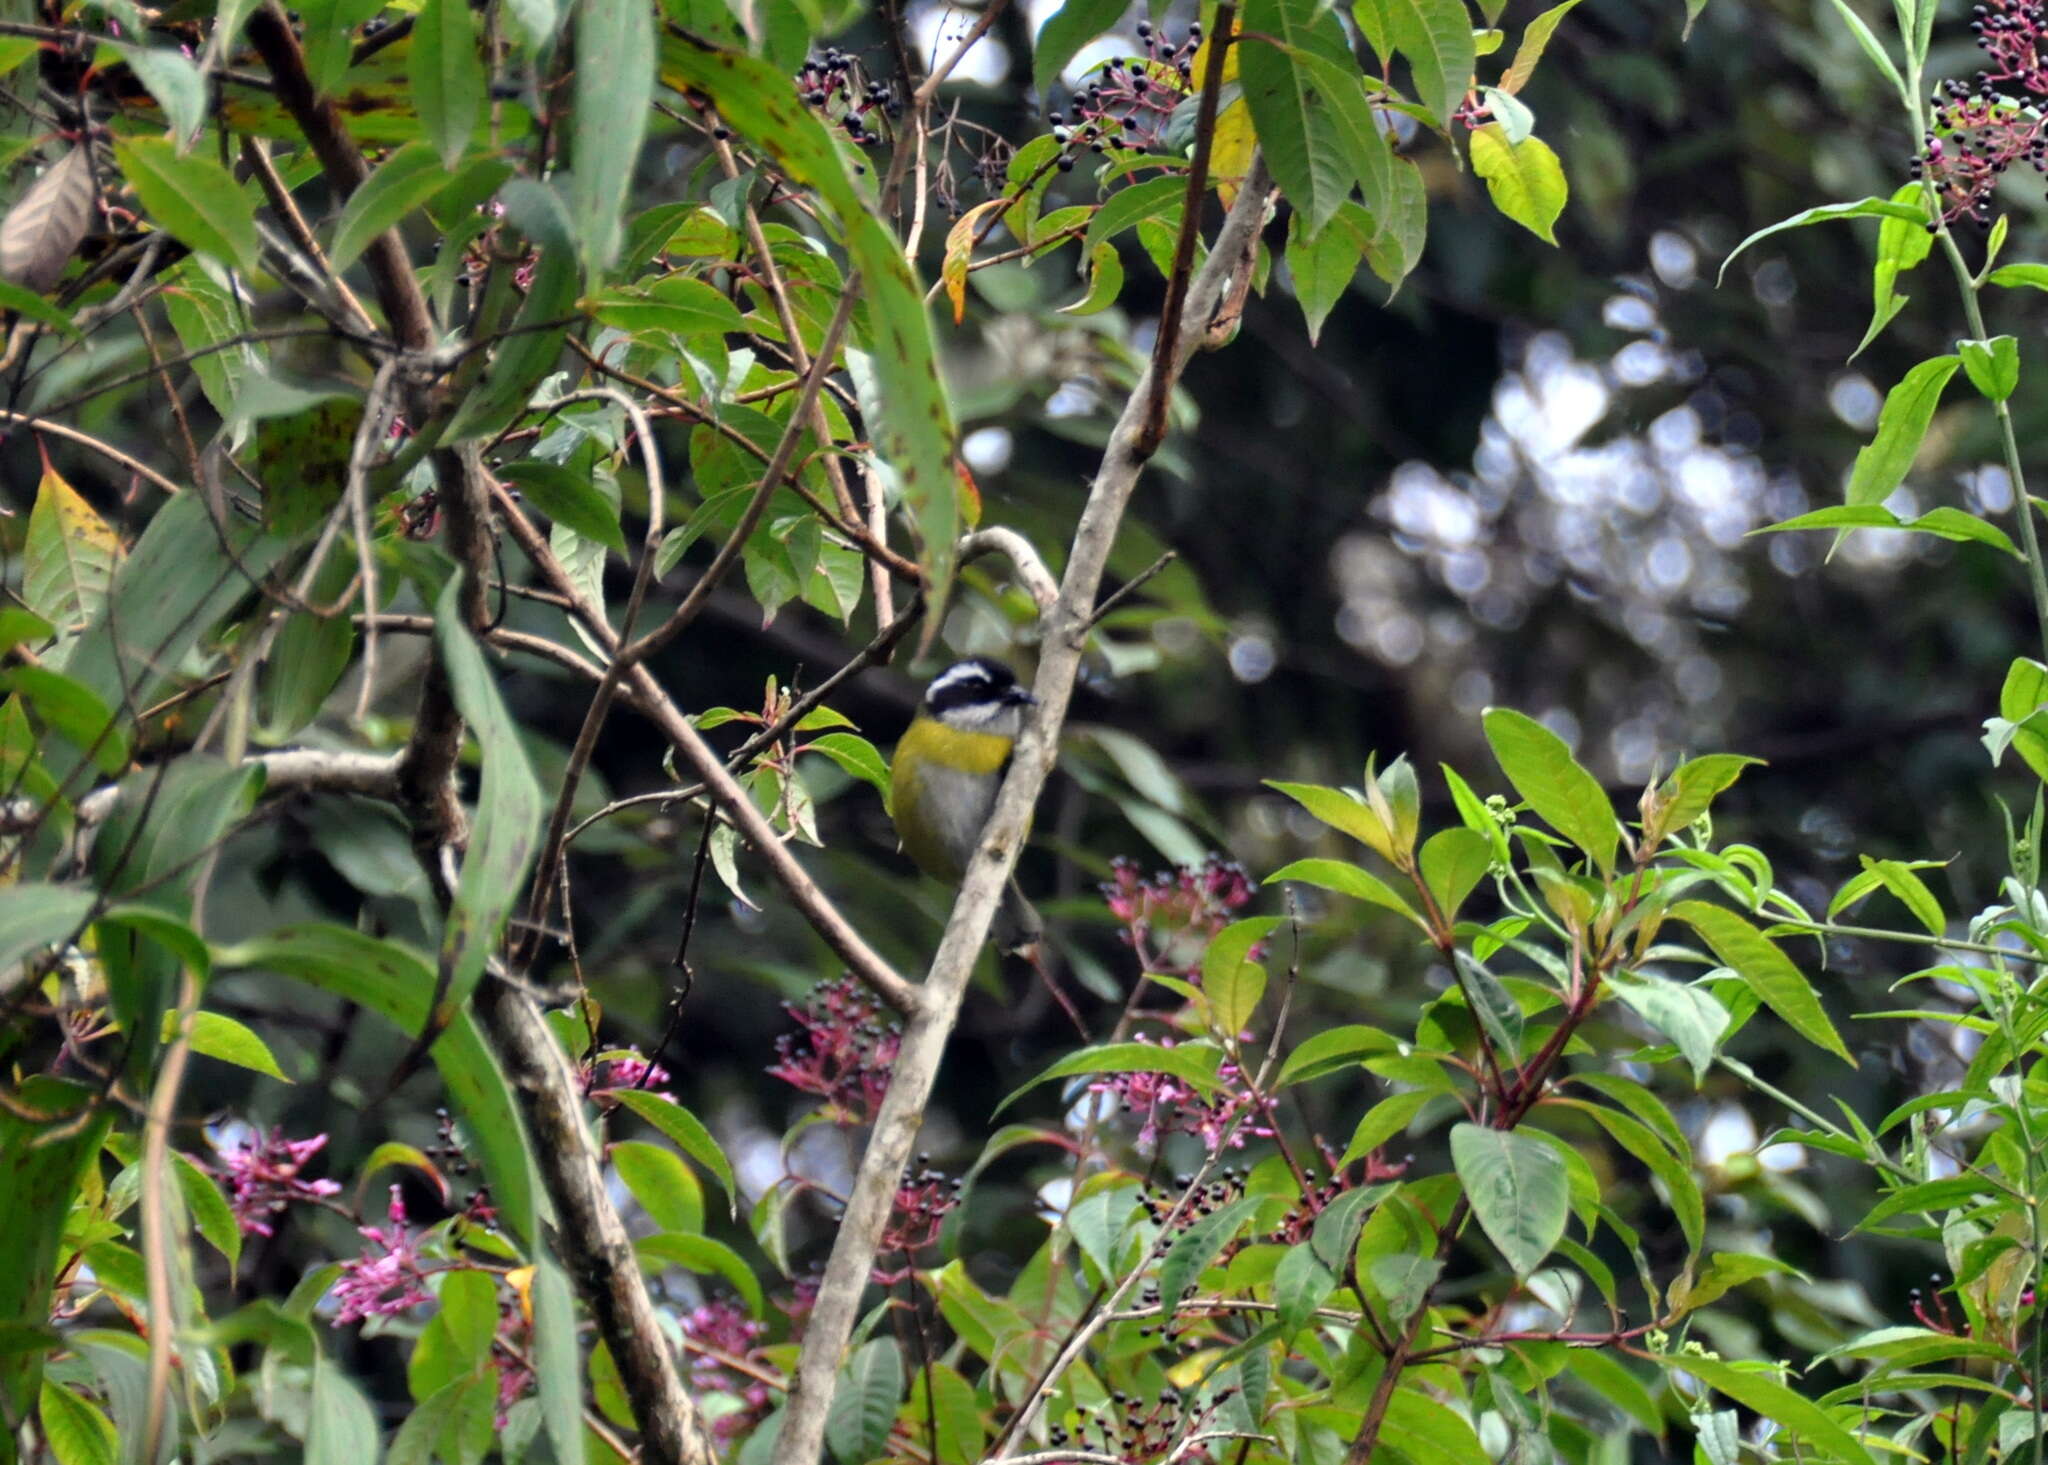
(679, 306)
(1871, 47)
(1535, 40)
(2032, 276)
(174, 81)
(1766, 970)
(1233, 981)
(1301, 140)
(864, 1402)
(1613, 1382)
(1791, 1411)
(1333, 1050)
(209, 1208)
(1562, 793)
(1690, 1017)
(556, 1363)
(1421, 1428)
(33, 916)
(1389, 1117)
(1883, 463)
(1901, 245)
(215, 1035)
(1674, 1172)
(1342, 813)
(1127, 207)
(505, 838)
(1518, 1190)
(448, 77)
(856, 755)
(1194, 1062)
(1404, 1280)
(569, 498)
(1948, 523)
(1862, 208)
(341, 1428)
(615, 63)
(1105, 282)
(41, 1164)
(1694, 785)
(184, 575)
(403, 182)
(1498, 1012)
(74, 712)
(397, 984)
(1436, 37)
(1199, 1245)
(1453, 862)
(1073, 25)
(707, 1257)
(75, 1429)
(941, 1395)
(203, 314)
(193, 198)
(684, 1130)
(1321, 267)
(1525, 178)
(1993, 366)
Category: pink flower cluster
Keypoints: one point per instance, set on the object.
(388, 1278)
(844, 1054)
(1171, 1105)
(1980, 129)
(262, 1172)
(724, 1327)
(1170, 919)
(624, 1068)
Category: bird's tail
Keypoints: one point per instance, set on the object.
(1018, 927)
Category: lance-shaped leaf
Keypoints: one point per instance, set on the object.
(1768, 972)
(614, 86)
(506, 838)
(192, 197)
(1436, 38)
(1563, 794)
(1862, 208)
(448, 75)
(68, 559)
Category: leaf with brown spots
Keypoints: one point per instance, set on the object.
(68, 560)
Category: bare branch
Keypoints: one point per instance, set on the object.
(1032, 574)
(924, 1038)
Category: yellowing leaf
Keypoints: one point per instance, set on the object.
(1525, 178)
(1230, 149)
(70, 555)
(960, 253)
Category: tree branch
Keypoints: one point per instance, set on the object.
(924, 1039)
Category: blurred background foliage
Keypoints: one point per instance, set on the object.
(1529, 478)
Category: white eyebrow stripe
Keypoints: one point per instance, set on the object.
(955, 675)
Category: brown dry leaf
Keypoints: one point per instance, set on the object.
(42, 231)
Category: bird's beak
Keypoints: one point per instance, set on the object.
(1018, 697)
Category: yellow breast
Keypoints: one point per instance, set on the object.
(941, 782)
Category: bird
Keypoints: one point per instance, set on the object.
(945, 775)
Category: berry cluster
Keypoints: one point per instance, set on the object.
(845, 1052)
(1140, 1428)
(1133, 102)
(923, 1198)
(1228, 1186)
(841, 92)
(1980, 129)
